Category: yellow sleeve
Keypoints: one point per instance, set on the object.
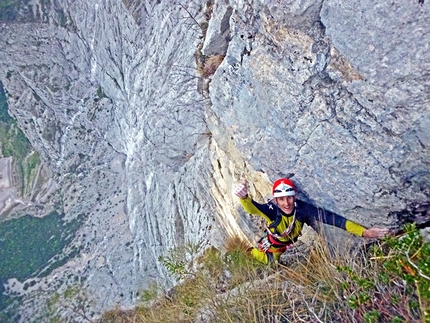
(354, 228)
(250, 208)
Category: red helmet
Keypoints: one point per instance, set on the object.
(283, 187)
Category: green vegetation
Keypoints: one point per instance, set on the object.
(30, 164)
(4, 4)
(9, 10)
(100, 94)
(387, 283)
(175, 261)
(32, 246)
(15, 144)
(13, 141)
(4, 115)
(28, 243)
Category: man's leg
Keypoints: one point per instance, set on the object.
(265, 257)
(260, 256)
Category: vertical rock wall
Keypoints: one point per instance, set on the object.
(334, 95)
(342, 102)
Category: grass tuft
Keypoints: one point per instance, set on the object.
(207, 65)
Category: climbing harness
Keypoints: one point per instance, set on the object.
(265, 244)
(271, 239)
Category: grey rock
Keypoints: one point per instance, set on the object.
(335, 94)
(218, 32)
(426, 234)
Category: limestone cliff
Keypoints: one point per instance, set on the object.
(144, 148)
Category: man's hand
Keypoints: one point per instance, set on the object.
(376, 233)
(241, 190)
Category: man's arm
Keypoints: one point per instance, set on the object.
(376, 233)
(255, 208)
(339, 221)
(266, 211)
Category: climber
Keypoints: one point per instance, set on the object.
(286, 217)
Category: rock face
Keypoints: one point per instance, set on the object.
(330, 93)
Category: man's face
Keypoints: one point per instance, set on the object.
(286, 203)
